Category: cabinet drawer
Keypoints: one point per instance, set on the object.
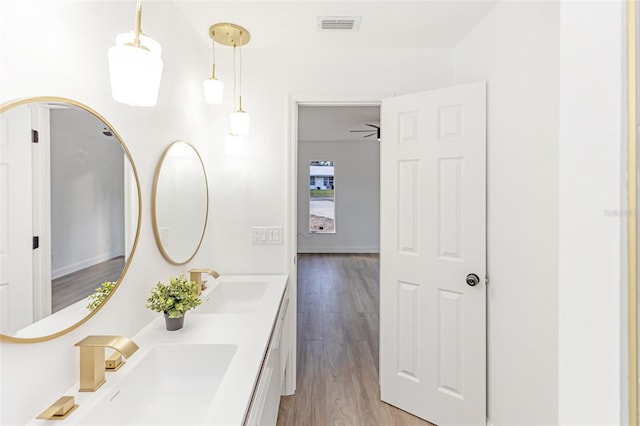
(266, 399)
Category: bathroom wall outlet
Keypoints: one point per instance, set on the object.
(266, 235)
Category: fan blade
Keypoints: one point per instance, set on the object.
(372, 125)
(369, 135)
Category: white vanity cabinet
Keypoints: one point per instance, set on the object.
(266, 398)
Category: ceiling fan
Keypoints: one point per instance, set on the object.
(375, 130)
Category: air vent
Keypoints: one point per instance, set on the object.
(338, 23)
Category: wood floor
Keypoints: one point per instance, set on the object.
(76, 286)
(338, 329)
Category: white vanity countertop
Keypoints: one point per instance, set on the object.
(250, 331)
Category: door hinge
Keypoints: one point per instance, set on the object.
(36, 242)
(34, 136)
(486, 280)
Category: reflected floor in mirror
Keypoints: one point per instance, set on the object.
(73, 287)
(338, 318)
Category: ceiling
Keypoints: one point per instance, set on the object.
(384, 24)
(333, 123)
(387, 24)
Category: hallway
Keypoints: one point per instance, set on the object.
(338, 335)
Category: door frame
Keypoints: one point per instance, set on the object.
(41, 163)
(291, 207)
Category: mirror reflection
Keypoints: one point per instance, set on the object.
(180, 203)
(322, 206)
(69, 201)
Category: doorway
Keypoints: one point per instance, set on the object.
(291, 209)
(338, 165)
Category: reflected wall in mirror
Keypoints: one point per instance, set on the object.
(69, 216)
(180, 203)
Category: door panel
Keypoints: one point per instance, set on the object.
(433, 220)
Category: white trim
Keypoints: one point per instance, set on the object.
(41, 172)
(339, 249)
(130, 207)
(291, 234)
(291, 206)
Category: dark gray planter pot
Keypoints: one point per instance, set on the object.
(174, 323)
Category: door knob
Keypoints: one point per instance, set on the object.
(473, 279)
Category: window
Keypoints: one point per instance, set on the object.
(322, 217)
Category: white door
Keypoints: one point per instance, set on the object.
(16, 268)
(433, 232)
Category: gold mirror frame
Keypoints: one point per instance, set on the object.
(154, 200)
(16, 103)
(632, 206)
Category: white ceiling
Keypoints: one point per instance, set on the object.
(333, 123)
(385, 24)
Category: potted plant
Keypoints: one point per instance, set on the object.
(174, 300)
(100, 294)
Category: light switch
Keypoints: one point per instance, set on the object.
(266, 235)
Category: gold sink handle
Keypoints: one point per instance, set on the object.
(60, 409)
(92, 360)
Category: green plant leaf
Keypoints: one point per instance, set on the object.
(100, 294)
(175, 298)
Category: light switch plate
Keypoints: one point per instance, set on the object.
(266, 235)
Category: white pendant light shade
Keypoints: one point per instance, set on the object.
(135, 71)
(213, 90)
(240, 123)
(234, 145)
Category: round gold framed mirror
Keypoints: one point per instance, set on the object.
(70, 214)
(180, 202)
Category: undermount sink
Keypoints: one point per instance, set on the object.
(174, 384)
(233, 297)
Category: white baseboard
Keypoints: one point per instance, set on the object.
(338, 249)
(85, 263)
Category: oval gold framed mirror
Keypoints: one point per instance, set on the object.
(180, 201)
(70, 214)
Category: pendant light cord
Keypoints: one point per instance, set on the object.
(234, 78)
(138, 24)
(240, 75)
(213, 58)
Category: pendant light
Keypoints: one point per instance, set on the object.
(135, 66)
(235, 36)
(213, 88)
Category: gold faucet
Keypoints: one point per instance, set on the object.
(196, 276)
(92, 362)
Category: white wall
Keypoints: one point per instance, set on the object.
(75, 36)
(270, 76)
(64, 53)
(591, 216)
(87, 193)
(357, 202)
(515, 49)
